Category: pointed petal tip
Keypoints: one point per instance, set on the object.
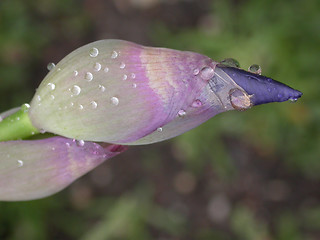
(263, 89)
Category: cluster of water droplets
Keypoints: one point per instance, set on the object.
(89, 76)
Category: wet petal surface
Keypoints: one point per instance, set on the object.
(36, 169)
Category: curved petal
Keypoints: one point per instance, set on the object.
(36, 169)
(117, 91)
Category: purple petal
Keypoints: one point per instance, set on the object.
(116, 91)
(36, 169)
(262, 89)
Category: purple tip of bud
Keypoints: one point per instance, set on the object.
(262, 89)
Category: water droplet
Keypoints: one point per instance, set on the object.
(196, 71)
(52, 86)
(230, 62)
(207, 73)
(255, 68)
(59, 69)
(89, 76)
(106, 69)
(18, 118)
(269, 89)
(293, 100)
(38, 98)
(52, 97)
(94, 104)
(102, 88)
(124, 77)
(50, 66)
(196, 103)
(75, 73)
(94, 52)
(134, 85)
(114, 54)
(133, 76)
(42, 131)
(115, 101)
(76, 90)
(80, 143)
(68, 144)
(239, 99)
(80, 106)
(159, 129)
(181, 113)
(25, 107)
(122, 65)
(97, 67)
(20, 163)
(71, 104)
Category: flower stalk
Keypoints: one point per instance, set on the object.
(17, 126)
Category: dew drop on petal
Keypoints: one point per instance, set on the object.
(134, 85)
(89, 76)
(207, 73)
(75, 90)
(239, 99)
(38, 98)
(75, 73)
(159, 129)
(196, 103)
(124, 77)
(231, 62)
(20, 163)
(102, 88)
(94, 104)
(133, 76)
(52, 86)
(42, 131)
(293, 100)
(80, 106)
(122, 65)
(80, 143)
(255, 68)
(196, 71)
(114, 55)
(115, 101)
(52, 97)
(97, 67)
(94, 52)
(106, 69)
(50, 66)
(181, 113)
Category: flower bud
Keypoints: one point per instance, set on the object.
(36, 169)
(120, 92)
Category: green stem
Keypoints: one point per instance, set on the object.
(17, 126)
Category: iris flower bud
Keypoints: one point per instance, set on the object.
(120, 92)
(117, 92)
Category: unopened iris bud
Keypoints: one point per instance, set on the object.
(120, 92)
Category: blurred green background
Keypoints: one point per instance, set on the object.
(242, 175)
